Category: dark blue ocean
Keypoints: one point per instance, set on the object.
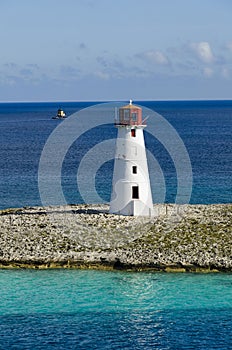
(205, 127)
(71, 309)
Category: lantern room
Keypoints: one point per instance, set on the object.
(130, 115)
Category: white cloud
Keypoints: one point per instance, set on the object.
(102, 61)
(69, 71)
(25, 72)
(203, 51)
(156, 57)
(225, 73)
(229, 46)
(208, 72)
(33, 66)
(102, 75)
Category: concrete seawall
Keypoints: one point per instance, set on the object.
(177, 238)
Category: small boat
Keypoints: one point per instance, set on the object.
(60, 114)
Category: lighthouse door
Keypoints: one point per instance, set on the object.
(135, 192)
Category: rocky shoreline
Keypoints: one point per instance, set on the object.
(179, 238)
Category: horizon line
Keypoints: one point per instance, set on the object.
(121, 100)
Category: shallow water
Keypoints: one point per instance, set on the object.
(78, 309)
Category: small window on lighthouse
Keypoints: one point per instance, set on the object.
(134, 117)
(126, 115)
(133, 133)
(134, 169)
(135, 192)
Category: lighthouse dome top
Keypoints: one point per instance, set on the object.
(130, 115)
(130, 106)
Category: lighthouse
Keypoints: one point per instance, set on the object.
(131, 189)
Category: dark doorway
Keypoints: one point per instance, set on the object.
(135, 192)
(133, 134)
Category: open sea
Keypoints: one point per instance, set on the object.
(71, 309)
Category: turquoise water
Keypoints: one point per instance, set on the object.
(77, 309)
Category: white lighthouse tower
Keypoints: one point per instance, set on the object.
(131, 190)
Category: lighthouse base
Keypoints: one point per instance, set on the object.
(133, 208)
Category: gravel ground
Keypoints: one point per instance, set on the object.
(177, 238)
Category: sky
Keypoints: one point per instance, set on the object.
(91, 50)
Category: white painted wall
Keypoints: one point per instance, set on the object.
(130, 151)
